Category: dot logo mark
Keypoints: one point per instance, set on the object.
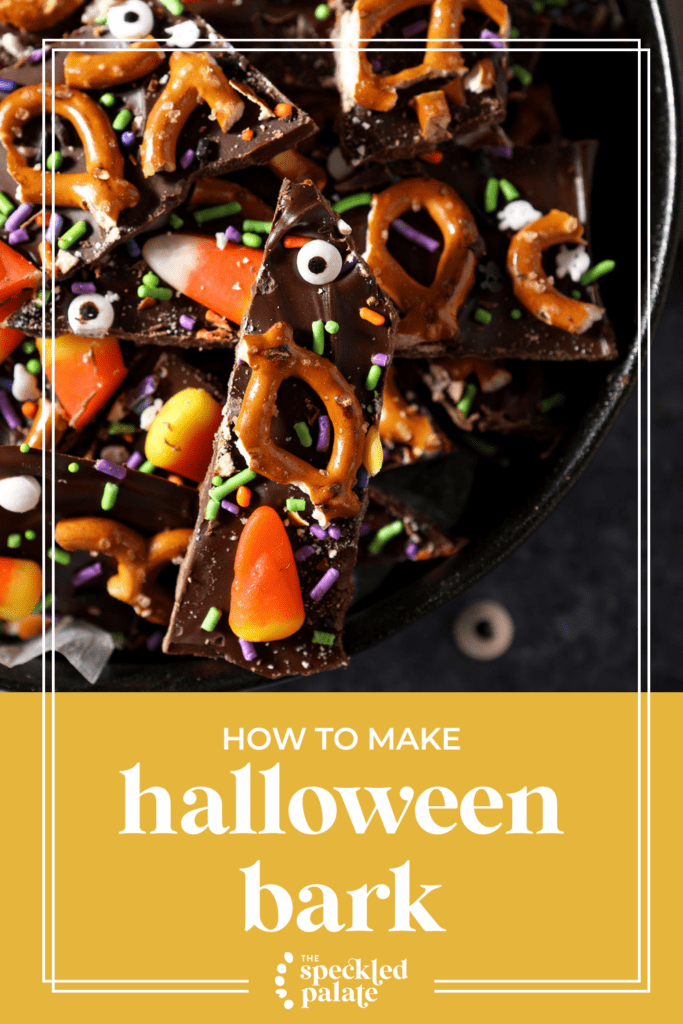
(280, 980)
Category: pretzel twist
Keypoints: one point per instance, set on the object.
(273, 357)
(139, 560)
(193, 77)
(429, 313)
(534, 289)
(101, 189)
(34, 17)
(100, 70)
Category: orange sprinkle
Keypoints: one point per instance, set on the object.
(243, 497)
(294, 241)
(432, 158)
(369, 314)
(174, 479)
(45, 250)
(40, 221)
(283, 109)
(129, 438)
(29, 409)
(247, 134)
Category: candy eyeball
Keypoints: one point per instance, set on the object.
(91, 315)
(319, 262)
(131, 20)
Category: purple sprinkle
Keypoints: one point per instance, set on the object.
(323, 434)
(363, 478)
(154, 640)
(110, 468)
(365, 528)
(411, 550)
(494, 39)
(348, 265)
(376, 65)
(147, 386)
(11, 418)
(16, 219)
(186, 159)
(7, 85)
(88, 573)
(229, 506)
(187, 322)
(380, 359)
(318, 532)
(233, 235)
(412, 30)
(304, 553)
(135, 460)
(133, 247)
(7, 383)
(54, 227)
(37, 55)
(334, 532)
(127, 138)
(83, 287)
(18, 236)
(248, 649)
(323, 585)
(415, 236)
(505, 151)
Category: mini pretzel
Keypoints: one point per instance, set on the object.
(430, 314)
(35, 16)
(403, 423)
(100, 70)
(273, 357)
(139, 560)
(360, 84)
(193, 77)
(102, 189)
(531, 285)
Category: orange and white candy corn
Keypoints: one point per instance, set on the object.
(21, 584)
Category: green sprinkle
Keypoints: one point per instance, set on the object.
(479, 446)
(174, 6)
(482, 316)
(146, 467)
(295, 505)
(75, 232)
(491, 195)
(43, 297)
(537, 6)
(332, 327)
(322, 12)
(211, 619)
(245, 476)
(73, 467)
(122, 120)
(263, 227)
(30, 534)
(576, 294)
(40, 607)
(119, 641)
(175, 221)
(384, 535)
(54, 161)
(33, 366)
(3, 218)
(516, 314)
(465, 403)
(508, 190)
(212, 509)
(320, 637)
(150, 279)
(28, 347)
(552, 401)
(318, 329)
(374, 374)
(252, 240)
(107, 99)
(14, 540)
(217, 481)
(145, 292)
(350, 202)
(109, 496)
(599, 270)
(122, 428)
(514, 32)
(57, 555)
(6, 205)
(303, 433)
(24, 448)
(525, 77)
(214, 212)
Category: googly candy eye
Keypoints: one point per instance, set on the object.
(319, 262)
(91, 315)
(131, 20)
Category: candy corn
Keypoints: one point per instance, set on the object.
(220, 279)
(16, 273)
(21, 584)
(181, 437)
(265, 601)
(10, 336)
(87, 372)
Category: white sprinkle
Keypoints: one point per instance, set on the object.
(148, 415)
(183, 35)
(516, 215)
(19, 493)
(574, 262)
(24, 386)
(221, 239)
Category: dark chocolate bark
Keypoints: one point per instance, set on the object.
(407, 429)
(419, 539)
(206, 575)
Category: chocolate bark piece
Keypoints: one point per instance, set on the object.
(283, 297)
(407, 429)
(463, 101)
(256, 135)
(419, 538)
